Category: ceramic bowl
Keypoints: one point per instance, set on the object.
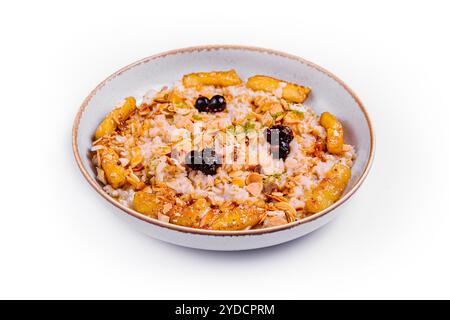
(328, 94)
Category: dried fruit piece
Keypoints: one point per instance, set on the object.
(329, 190)
(147, 203)
(107, 127)
(295, 93)
(290, 91)
(215, 78)
(109, 124)
(236, 218)
(335, 132)
(114, 173)
(191, 216)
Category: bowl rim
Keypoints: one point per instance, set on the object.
(189, 230)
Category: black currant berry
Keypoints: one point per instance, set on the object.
(217, 104)
(194, 160)
(279, 138)
(205, 161)
(202, 104)
(284, 149)
(284, 134)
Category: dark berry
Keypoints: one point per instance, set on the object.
(280, 151)
(279, 138)
(205, 161)
(217, 104)
(279, 132)
(284, 149)
(202, 104)
(194, 159)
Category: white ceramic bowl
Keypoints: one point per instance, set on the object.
(328, 94)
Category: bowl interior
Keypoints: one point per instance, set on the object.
(328, 93)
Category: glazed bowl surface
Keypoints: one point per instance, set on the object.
(329, 93)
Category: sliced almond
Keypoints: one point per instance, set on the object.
(276, 197)
(291, 213)
(276, 108)
(163, 217)
(253, 178)
(167, 207)
(183, 109)
(255, 188)
(137, 157)
(132, 178)
(223, 179)
(135, 181)
(274, 221)
(162, 96)
(144, 109)
(184, 123)
(263, 217)
(284, 104)
(124, 161)
(267, 119)
(98, 147)
(101, 176)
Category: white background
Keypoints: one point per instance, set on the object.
(58, 239)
